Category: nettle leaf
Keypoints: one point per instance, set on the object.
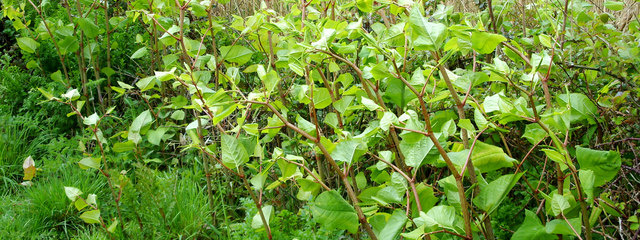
(332, 211)
(28, 44)
(484, 42)
(236, 54)
(532, 229)
(426, 35)
(233, 153)
(91, 217)
(495, 192)
(487, 157)
(604, 164)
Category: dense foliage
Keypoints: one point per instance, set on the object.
(325, 119)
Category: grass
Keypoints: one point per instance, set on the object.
(20, 137)
(43, 210)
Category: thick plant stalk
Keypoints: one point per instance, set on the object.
(367, 85)
(464, 205)
(82, 66)
(104, 172)
(108, 50)
(316, 140)
(256, 201)
(55, 43)
(488, 230)
(207, 173)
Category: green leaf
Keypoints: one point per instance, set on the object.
(270, 79)
(427, 199)
(559, 204)
(89, 162)
(155, 136)
(614, 5)
(177, 115)
(80, 204)
(321, 98)
(534, 133)
(587, 180)
(393, 226)
(545, 40)
(91, 120)
(560, 226)
(427, 35)
(369, 104)
(236, 54)
(123, 146)
(484, 42)
(257, 223)
(112, 227)
(581, 106)
(71, 94)
(332, 211)
(398, 93)
(57, 76)
(91, 217)
(387, 120)
(233, 154)
(555, 156)
(415, 151)
(532, 229)
(146, 83)
(88, 27)
(347, 151)
(365, 5)
(28, 44)
(69, 44)
(72, 193)
(604, 164)
(141, 52)
(495, 192)
(441, 216)
(488, 158)
(144, 119)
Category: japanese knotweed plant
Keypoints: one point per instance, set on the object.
(380, 136)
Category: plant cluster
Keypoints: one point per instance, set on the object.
(373, 119)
